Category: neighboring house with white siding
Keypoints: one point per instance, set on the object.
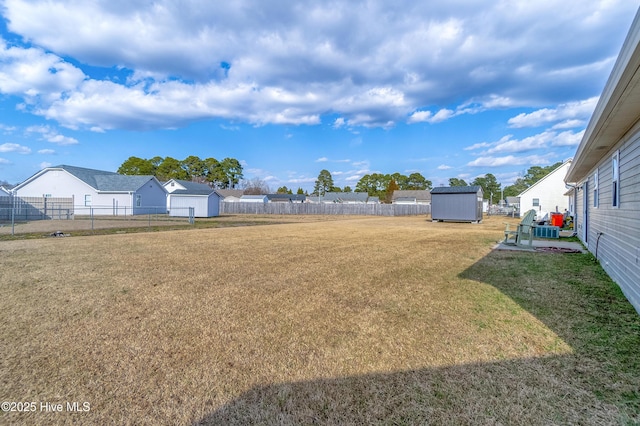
(183, 195)
(97, 191)
(411, 197)
(547, 195)
(254, 199)
(230, 195)
(606, 173)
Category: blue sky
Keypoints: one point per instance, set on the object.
(455, 88)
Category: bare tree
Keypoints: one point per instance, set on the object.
(255, 186)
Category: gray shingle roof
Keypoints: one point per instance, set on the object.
(456, 189)
(341, 197)
(286, 197)
(417, 194)
(106, 181)
(193, 188)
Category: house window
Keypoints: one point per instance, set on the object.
(596, 200)
(87, 200)
(536, 202)
(138, 200)
(615, 183)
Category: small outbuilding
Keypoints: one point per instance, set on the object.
(457, 203)
(184, 195)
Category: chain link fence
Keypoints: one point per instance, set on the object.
(44, 214)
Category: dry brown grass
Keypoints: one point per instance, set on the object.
(361, 320)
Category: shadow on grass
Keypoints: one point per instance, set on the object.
(599, 383)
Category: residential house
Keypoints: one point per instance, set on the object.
(548, 194)
(4, 192)
(512, 203)
(411, 197)
(230, 195)
(286, 198)
(605, 173)
(185, 195)
(342, 197)
(254, 199)
(97, 192)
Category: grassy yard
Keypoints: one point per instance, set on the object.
(354, 321)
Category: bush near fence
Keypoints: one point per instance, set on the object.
(325, 209)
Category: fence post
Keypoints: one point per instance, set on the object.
(91, 214)
(13, 214)
(192, 214)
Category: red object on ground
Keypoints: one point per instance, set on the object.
(557, 219)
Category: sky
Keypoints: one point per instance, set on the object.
(451, 88)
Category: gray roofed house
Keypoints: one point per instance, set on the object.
(411, 197)
(345, 197)
(97, 192)
(254, 199)
(286, 198)
(230, 195)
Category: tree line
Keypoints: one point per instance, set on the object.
(223, 174)
(383, 185)
(375, 184)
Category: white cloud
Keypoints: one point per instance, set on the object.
(46, 151)
(33, 73)
(444, 167)
(482, 145)
(322, 160)
(4, 161)
(14, 147)
(302, 180)
(7, 129)
(52, 135)
(573, 113)
(567, 139)
(509, 160)
(277, 63)
(339, 122)
(45, 164)
(508, 144)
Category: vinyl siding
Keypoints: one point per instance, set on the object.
(456, 207)
(204, 206)
(60, 183)
(614, 232)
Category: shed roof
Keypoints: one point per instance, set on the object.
(457, 189)
(192, 188)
